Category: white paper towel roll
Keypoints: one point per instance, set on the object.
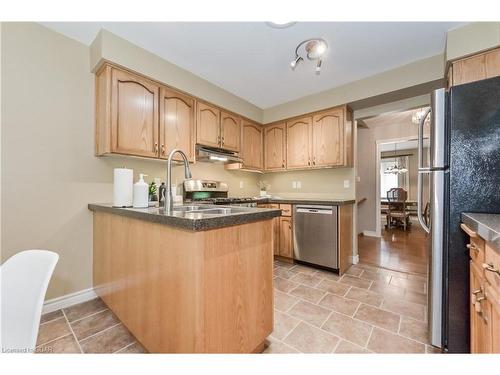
(123, 187)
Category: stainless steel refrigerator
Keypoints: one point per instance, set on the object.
(464, 176)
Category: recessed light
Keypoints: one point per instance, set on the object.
(280, 25)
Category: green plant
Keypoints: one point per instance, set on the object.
(152, 188)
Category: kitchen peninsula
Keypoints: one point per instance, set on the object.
(196, 281)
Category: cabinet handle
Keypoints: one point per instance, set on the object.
(283, 164)
(473, 297)
(314, 160)
(471, 246)
(309, 162)
(222, 140)
(489, 267)
(163, 149)
(156, 147)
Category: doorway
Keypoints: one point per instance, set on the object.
(392, 238)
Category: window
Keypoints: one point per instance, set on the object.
(390, 180)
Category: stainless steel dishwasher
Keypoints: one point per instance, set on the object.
(315, 235)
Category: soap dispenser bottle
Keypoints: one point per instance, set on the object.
(141, 190)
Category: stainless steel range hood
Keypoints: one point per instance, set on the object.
(213, 155)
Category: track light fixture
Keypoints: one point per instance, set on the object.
(311, 49)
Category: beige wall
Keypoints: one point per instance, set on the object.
(367, 168)
(49, 171)
(110, 47)
(415, 73)
(322, 183)
(472, 38)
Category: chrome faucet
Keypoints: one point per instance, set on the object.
(169, 200)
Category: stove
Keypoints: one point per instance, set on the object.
(213, 192)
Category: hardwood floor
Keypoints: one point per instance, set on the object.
(396, 250)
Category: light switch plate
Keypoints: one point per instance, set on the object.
(294, 184)
(299, 185)
(241, 184)
(347, 184)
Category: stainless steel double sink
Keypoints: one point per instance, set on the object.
(210, 210)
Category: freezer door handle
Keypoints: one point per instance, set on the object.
(421, 170)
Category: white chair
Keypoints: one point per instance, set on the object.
(24, 279)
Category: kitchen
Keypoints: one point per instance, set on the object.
(248, 241)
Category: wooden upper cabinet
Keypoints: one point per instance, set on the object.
(275, 147)
(230, 132)
(328, 138)
(252, 143)
(208, 125)
(177, 127)
(298, 143)
(134, 114)
(475, 68)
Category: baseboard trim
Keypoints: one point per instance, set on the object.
(355, 259)
(68, 300)
(370, 233)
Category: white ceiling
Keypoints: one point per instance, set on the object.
(251, 59)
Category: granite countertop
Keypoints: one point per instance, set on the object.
(316, 201)
(487, 226)
(195, 221)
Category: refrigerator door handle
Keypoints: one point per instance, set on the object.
(421, 170)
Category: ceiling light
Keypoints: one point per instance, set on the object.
(294, 63)
(280, 24)
(318, 66)
(313, 50)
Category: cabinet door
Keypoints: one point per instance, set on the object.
(176, 123)
(328, 138)
(285, 243)
(276, 236)
(493, 301)
(275, 147)
(230, 132)
(479, 313)
(208, 125)
(298, 140)
(251, 149)
(134, 115)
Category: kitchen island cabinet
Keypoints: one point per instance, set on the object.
(182, 290)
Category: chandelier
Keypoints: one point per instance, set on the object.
(417, 115)
(399, 165)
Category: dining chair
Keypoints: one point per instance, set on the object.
(24, 279)
(397, 210)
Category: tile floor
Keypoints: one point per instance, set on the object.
(369, 309)
(89, 327)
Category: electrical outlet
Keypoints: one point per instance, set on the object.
(294, 184)
(347, 184)
(299, 185)
(241, 184)
(358, 178)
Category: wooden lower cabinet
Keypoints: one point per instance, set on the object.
(181, 291)
(479, 313)
(484, 296)
(286, 237)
